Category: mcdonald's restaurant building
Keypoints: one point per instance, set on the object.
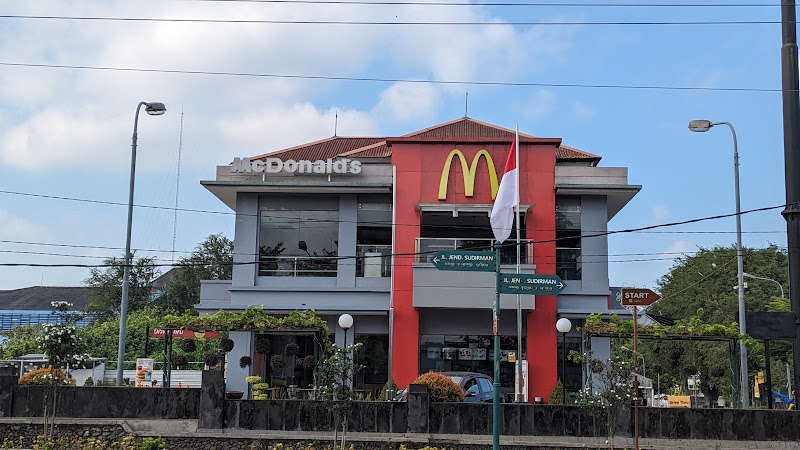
(349, 225)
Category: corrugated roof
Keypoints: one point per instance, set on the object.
(375, 147)
(39, 297)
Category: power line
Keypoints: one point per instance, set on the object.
(291, 220)
(492, 4)
(394, 80)
(412, 254)
(395, 23)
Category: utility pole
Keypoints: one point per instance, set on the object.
(791, 154)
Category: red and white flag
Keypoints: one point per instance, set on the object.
(502, 217)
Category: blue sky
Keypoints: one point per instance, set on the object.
(66, 132)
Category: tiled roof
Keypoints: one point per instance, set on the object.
(565, 152)
(375, 147)
(465, 128)
(324, 149)
(39, 297)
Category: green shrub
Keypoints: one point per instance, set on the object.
(46, 376)
(441, 387)
(89, 382)
(556, 395)
(382, 396)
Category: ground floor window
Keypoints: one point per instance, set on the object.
(373, 356)
(286, 360)
(468, 353)
(573, 379)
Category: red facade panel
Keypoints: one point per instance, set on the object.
(419, 171)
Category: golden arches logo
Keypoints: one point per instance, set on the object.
(468, 172)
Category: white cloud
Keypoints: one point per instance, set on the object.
(680, 246)
(542, 104)
(406, 101)
(277, 127)
(17, 228)
(660, 213)
(59, 118)
(582, 111)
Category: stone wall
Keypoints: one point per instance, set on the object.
(98, 401)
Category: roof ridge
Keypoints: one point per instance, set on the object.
(308, 144)
(465, 119)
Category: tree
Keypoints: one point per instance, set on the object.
(335, 375)
(702, 285)
(106, 284)
(20, 340)
(63, 346)
(102, 337)
(212, 259)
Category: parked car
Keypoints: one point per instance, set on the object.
(476, 387)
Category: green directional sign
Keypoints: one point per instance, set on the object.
(464, 260)
(521, 283)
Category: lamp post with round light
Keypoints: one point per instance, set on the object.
(153, 109)
(702, 126)
(563, 325)
(345, 323)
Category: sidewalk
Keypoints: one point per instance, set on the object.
(186, 430)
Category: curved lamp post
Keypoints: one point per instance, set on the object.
(563, 325)
(153, 109)
(636, 353)
(702, 126)
(747, 275)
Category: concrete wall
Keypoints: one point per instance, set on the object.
(434, 288)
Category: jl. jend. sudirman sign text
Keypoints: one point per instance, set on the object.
(275, 165)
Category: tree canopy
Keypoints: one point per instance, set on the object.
(702, 286)
(106, 284)
(212, 259)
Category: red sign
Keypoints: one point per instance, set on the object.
(159, 333)
(638, 297)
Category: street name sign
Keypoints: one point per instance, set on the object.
(638, 297)
(464, 260)
(521, 283)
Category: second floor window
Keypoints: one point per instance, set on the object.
(568, 237)
(298, 236)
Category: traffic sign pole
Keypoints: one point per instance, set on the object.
(496, 329)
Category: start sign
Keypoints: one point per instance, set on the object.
(638, 297)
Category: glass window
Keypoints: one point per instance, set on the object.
(568, 237)
(298, 235)
(444, 353)
(373, 356)
(573, 380)
(485, 386)
(374, 236)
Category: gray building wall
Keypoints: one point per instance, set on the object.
(345, 292)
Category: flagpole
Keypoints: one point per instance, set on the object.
(518, 362)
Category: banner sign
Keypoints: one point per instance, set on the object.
(185, 334)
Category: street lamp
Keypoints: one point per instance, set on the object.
(636, 353)
(153, 109)
(345, 322)
(747, 275)
(702, 126)
(563, 325)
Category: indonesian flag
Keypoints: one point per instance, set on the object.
(502, 217)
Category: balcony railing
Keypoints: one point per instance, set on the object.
(427, 247)
(373, 261)
(297, 266)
